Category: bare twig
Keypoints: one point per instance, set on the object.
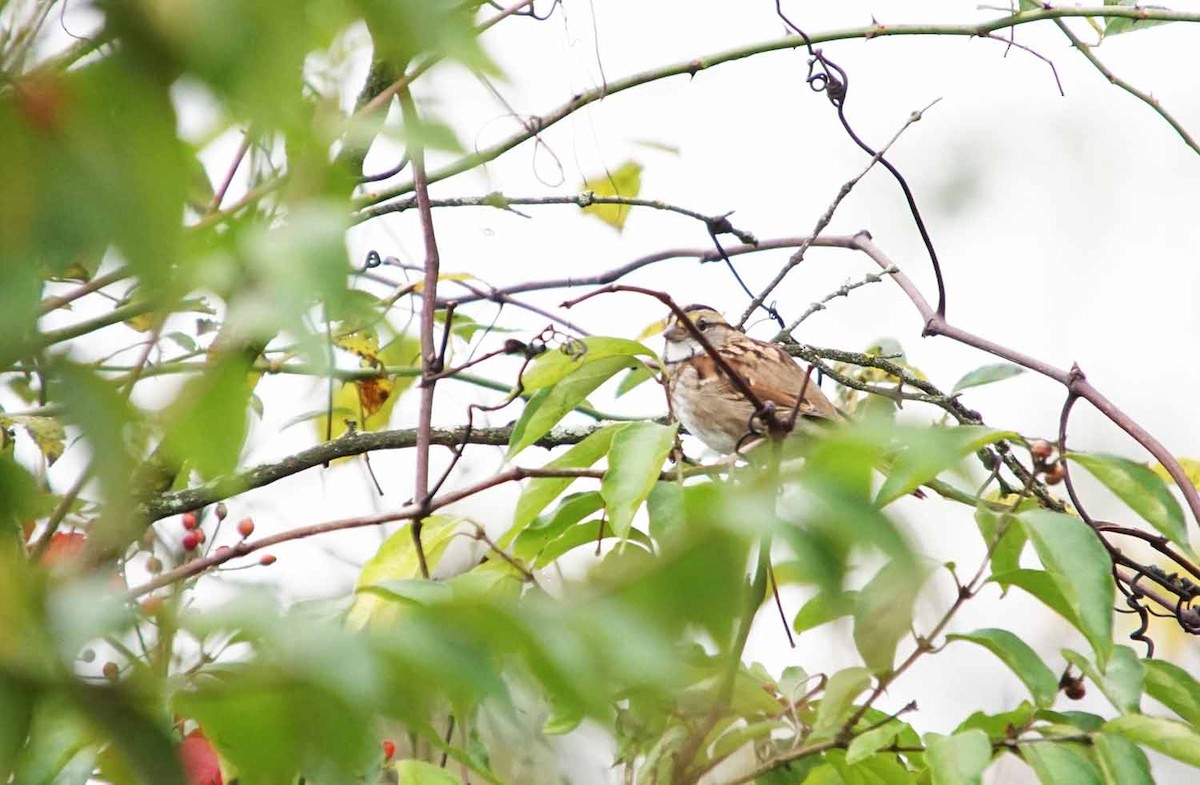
(702, 254)
(825, 218)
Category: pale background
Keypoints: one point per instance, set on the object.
(1067, 228)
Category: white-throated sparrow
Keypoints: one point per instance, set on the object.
(709, 405)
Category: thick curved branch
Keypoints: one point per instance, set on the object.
(350, 444)
(1074, 379)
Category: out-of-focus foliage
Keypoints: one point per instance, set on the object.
(217, 285)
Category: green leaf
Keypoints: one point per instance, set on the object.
(1076, 720)
(1080, 566)
(1044, 587)
(866, 744)
(1141, 489)
(206, 424)
(635, 377)
(1169, 737)
(884, 613)
(1060, 763)
(570, 511)
(736, 738)
(540, 491)
(550, 404)
(582, 533)
(142, 738)
(18, 700)
(1121, 761)
(625, 180)
(997, 726)
(1005, 538)
(930, 452)
(987, 374)
(1115, 25)
(397, 560)
(1020, 658)
(1174, 688)
(1121, 680)
(824, 607)
(882, 769)
(634, 462)
(837, 702)
(551, 367)
(959, 759)
(665, 508)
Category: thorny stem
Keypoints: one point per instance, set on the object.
(1146, 98)
(693, 66)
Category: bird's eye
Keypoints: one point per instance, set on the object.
(703, 324)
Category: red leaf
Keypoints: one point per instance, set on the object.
(200, 762)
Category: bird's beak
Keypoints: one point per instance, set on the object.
(676, 332)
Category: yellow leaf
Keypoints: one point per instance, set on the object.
(419, 286)
(653, 329)
(1191, 467)
(373, 395)
(364, 343)
(625, 180)
(368, 403)
(142, 322)
(49, 435)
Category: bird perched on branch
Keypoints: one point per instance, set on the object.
(710, 405)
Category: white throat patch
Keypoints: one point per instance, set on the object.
(678, 351)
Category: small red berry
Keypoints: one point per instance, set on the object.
(201, 536)
(1041, 449)
(389, 749)
(222, 549)
(1055, 473)
(190, 521)
(190, 541)
(245, 527)
(111, 671)
(153, 565)
(151, 606)
(267, 560)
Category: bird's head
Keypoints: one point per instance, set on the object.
(682, 343)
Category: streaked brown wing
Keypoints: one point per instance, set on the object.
(781, 380)
(771, 373)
